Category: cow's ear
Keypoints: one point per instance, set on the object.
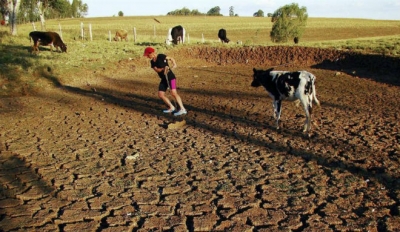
(254, 70)
(270, 69)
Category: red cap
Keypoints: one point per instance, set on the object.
(148, 51)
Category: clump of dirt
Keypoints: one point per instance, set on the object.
(177, 125)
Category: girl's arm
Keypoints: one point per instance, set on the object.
(158, 69)
(173, 63)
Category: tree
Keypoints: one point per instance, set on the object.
(196, 12)
(42, 6)
(215, 11)
(4, 9)
(59, 9)
(231, 11)
(184, 11)
(259, 13)
(78, 9)
(13, 7)
(27, 11)
(120, 14)
(289, 23)
(33, 10)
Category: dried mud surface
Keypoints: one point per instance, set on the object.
(96, 153)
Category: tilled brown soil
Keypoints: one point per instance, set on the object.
(96, 153)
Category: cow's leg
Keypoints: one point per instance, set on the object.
(277, 111)
(307, 105)
(274, 106)
(36, 46)
(309, 113)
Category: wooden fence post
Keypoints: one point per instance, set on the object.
(134, 35)
(82, 34)
(90, 32)
(59, 27)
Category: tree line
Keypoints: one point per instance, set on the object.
(34, 10)
(289, 21)
(22, 11)
(215, 11)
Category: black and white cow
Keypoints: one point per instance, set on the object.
(176, 35)
(222, 36)
(285, 85)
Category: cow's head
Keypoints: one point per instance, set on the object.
(63, 48)
(258, 76)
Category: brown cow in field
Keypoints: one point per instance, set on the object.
(120, 35)
(47, 38)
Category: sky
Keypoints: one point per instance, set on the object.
(366, 9)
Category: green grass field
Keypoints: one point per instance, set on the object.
(18, 64)
(250, 30)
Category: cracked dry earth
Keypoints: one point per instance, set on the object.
(97, 154)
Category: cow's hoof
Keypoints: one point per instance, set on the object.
(307, 133)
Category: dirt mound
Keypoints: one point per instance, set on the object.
(266, 56)
(352, 63)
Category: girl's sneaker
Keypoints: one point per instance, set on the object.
(180, 112)
(168, 111)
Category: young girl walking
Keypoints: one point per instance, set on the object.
(160, 64)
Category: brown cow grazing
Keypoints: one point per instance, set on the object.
(120, 35)
(47, 38)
